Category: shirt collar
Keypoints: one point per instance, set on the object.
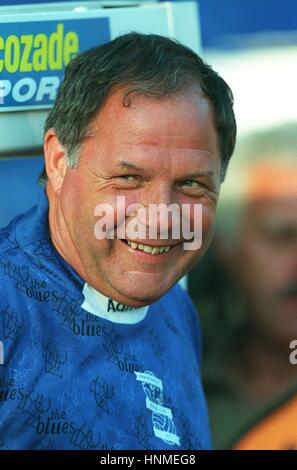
(110, 309)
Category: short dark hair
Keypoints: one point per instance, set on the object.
(150, 65)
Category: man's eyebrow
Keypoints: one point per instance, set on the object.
(124, 164)
(195, 174)
(129, 165)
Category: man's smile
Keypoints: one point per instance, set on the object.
(151, 252)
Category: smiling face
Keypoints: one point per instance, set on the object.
(155, 151)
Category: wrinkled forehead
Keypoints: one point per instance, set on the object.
(187, 113)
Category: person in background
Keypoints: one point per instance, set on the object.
(250, 318)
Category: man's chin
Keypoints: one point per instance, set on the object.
(141, 298)
(141, 294)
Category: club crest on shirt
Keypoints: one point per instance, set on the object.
(162, 419)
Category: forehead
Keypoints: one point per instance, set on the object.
(184, 120)
(276, 181)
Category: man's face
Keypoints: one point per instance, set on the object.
(266, 267)
(155, 151)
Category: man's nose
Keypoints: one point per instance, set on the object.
(160, 205)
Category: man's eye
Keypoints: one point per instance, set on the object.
(192, 186)
(191, 183)
(280, 234)
(126, 181)
(128, 177)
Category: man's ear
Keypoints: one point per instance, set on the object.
(55, 160)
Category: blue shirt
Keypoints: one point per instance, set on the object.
(72, 377)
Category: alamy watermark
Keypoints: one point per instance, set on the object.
(154, 222)
(293, 355)
(1, 353)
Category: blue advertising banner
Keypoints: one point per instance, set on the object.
(34, 54)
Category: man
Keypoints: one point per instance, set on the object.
(249, 378)
(101, 346)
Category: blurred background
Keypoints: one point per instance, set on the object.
(246, 286)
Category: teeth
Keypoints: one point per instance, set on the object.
(153, 250)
